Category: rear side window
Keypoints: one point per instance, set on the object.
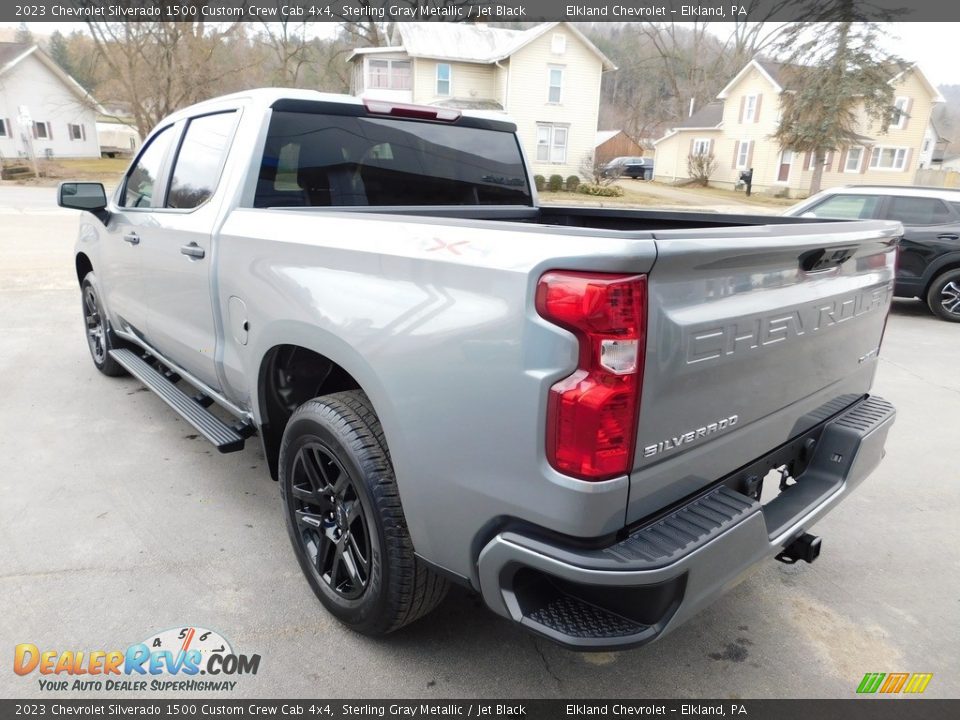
(200, 160)
(331, 160)
(144, 175)
(846, 207)
(919, 211)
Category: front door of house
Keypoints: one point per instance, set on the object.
(786, 160)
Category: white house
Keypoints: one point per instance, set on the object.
(546, 78)
(42, 107)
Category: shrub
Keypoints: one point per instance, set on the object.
(601, 190)
(573, 182)
(555, 183)
(700, 167)
(540, 181)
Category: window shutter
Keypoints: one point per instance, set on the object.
(710, 146)
(83, 131)
(691, 147)
(49, 131)
(828, 161)
(842, 165)
(750, 155)
(906, 160)
(736, 154)
(756, 110)
(906, 113)
(743, 104)
(808, 161)
(33, 127)
(866, 158)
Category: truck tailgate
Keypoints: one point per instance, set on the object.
(754, 336)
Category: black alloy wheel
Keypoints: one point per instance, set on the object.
(331, 522)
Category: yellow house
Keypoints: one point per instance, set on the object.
(546, 78)
(737, 130)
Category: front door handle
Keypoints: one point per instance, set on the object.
(948, 236)
(132, 238)
(193, 250)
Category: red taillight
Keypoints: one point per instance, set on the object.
(592, 414)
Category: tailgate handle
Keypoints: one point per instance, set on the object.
(824, 259)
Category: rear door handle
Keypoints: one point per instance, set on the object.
(948, 236)
(132, 238)
(193, 250)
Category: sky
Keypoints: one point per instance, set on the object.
(931, 45)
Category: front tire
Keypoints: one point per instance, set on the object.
(943, 297)
(100, 340)
(344, 517)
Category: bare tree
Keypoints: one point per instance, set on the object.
(288, 40)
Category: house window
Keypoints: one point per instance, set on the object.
(812, 159)
(556, 85)
(42, 131)
(888, 158)
(743, 154)
(552, 143)
(443, 79)
(76, 131)
(3, 128)
(701, 146)
(854, 158)
(388, 74)
(900, 113)
(558, 44)
(750, 109)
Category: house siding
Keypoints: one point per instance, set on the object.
(33, 84)
(579, 106)
(469, 81)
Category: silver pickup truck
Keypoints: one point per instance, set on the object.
(599, 419)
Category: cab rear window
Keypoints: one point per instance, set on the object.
(324, 160)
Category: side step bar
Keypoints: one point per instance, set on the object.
(224, 437)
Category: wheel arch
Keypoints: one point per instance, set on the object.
(83, 266)
(312, 373)
(944, 263)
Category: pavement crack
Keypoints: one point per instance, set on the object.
(919, 376)
(546, 663)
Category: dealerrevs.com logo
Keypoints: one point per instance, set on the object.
(172, 660)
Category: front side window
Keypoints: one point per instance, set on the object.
(316, 159)
(443, 79)
(144, 175)
(743, 154)
(846, 207)
(199, 160)
(555, 90)
(919, 211)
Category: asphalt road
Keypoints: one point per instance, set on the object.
(117, 522)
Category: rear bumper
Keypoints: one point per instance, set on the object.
(645, 585)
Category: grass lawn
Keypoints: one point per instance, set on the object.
(106, 170)
(630, 198)
(741, 197)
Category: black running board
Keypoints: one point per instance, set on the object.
(221, 435)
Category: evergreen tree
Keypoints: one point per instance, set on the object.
(836, 71)
(59, 51)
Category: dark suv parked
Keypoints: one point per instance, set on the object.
(929, 263)
(634, 167)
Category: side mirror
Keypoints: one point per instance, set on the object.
(82, 196)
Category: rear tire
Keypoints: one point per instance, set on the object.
(943, 297)
(100, 339)
(344, 517)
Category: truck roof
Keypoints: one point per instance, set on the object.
(264, 98)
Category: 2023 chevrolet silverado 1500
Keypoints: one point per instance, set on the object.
(570, 410)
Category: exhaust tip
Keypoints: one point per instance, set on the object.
(806, 548)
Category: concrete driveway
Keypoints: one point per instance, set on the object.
(116, 522)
